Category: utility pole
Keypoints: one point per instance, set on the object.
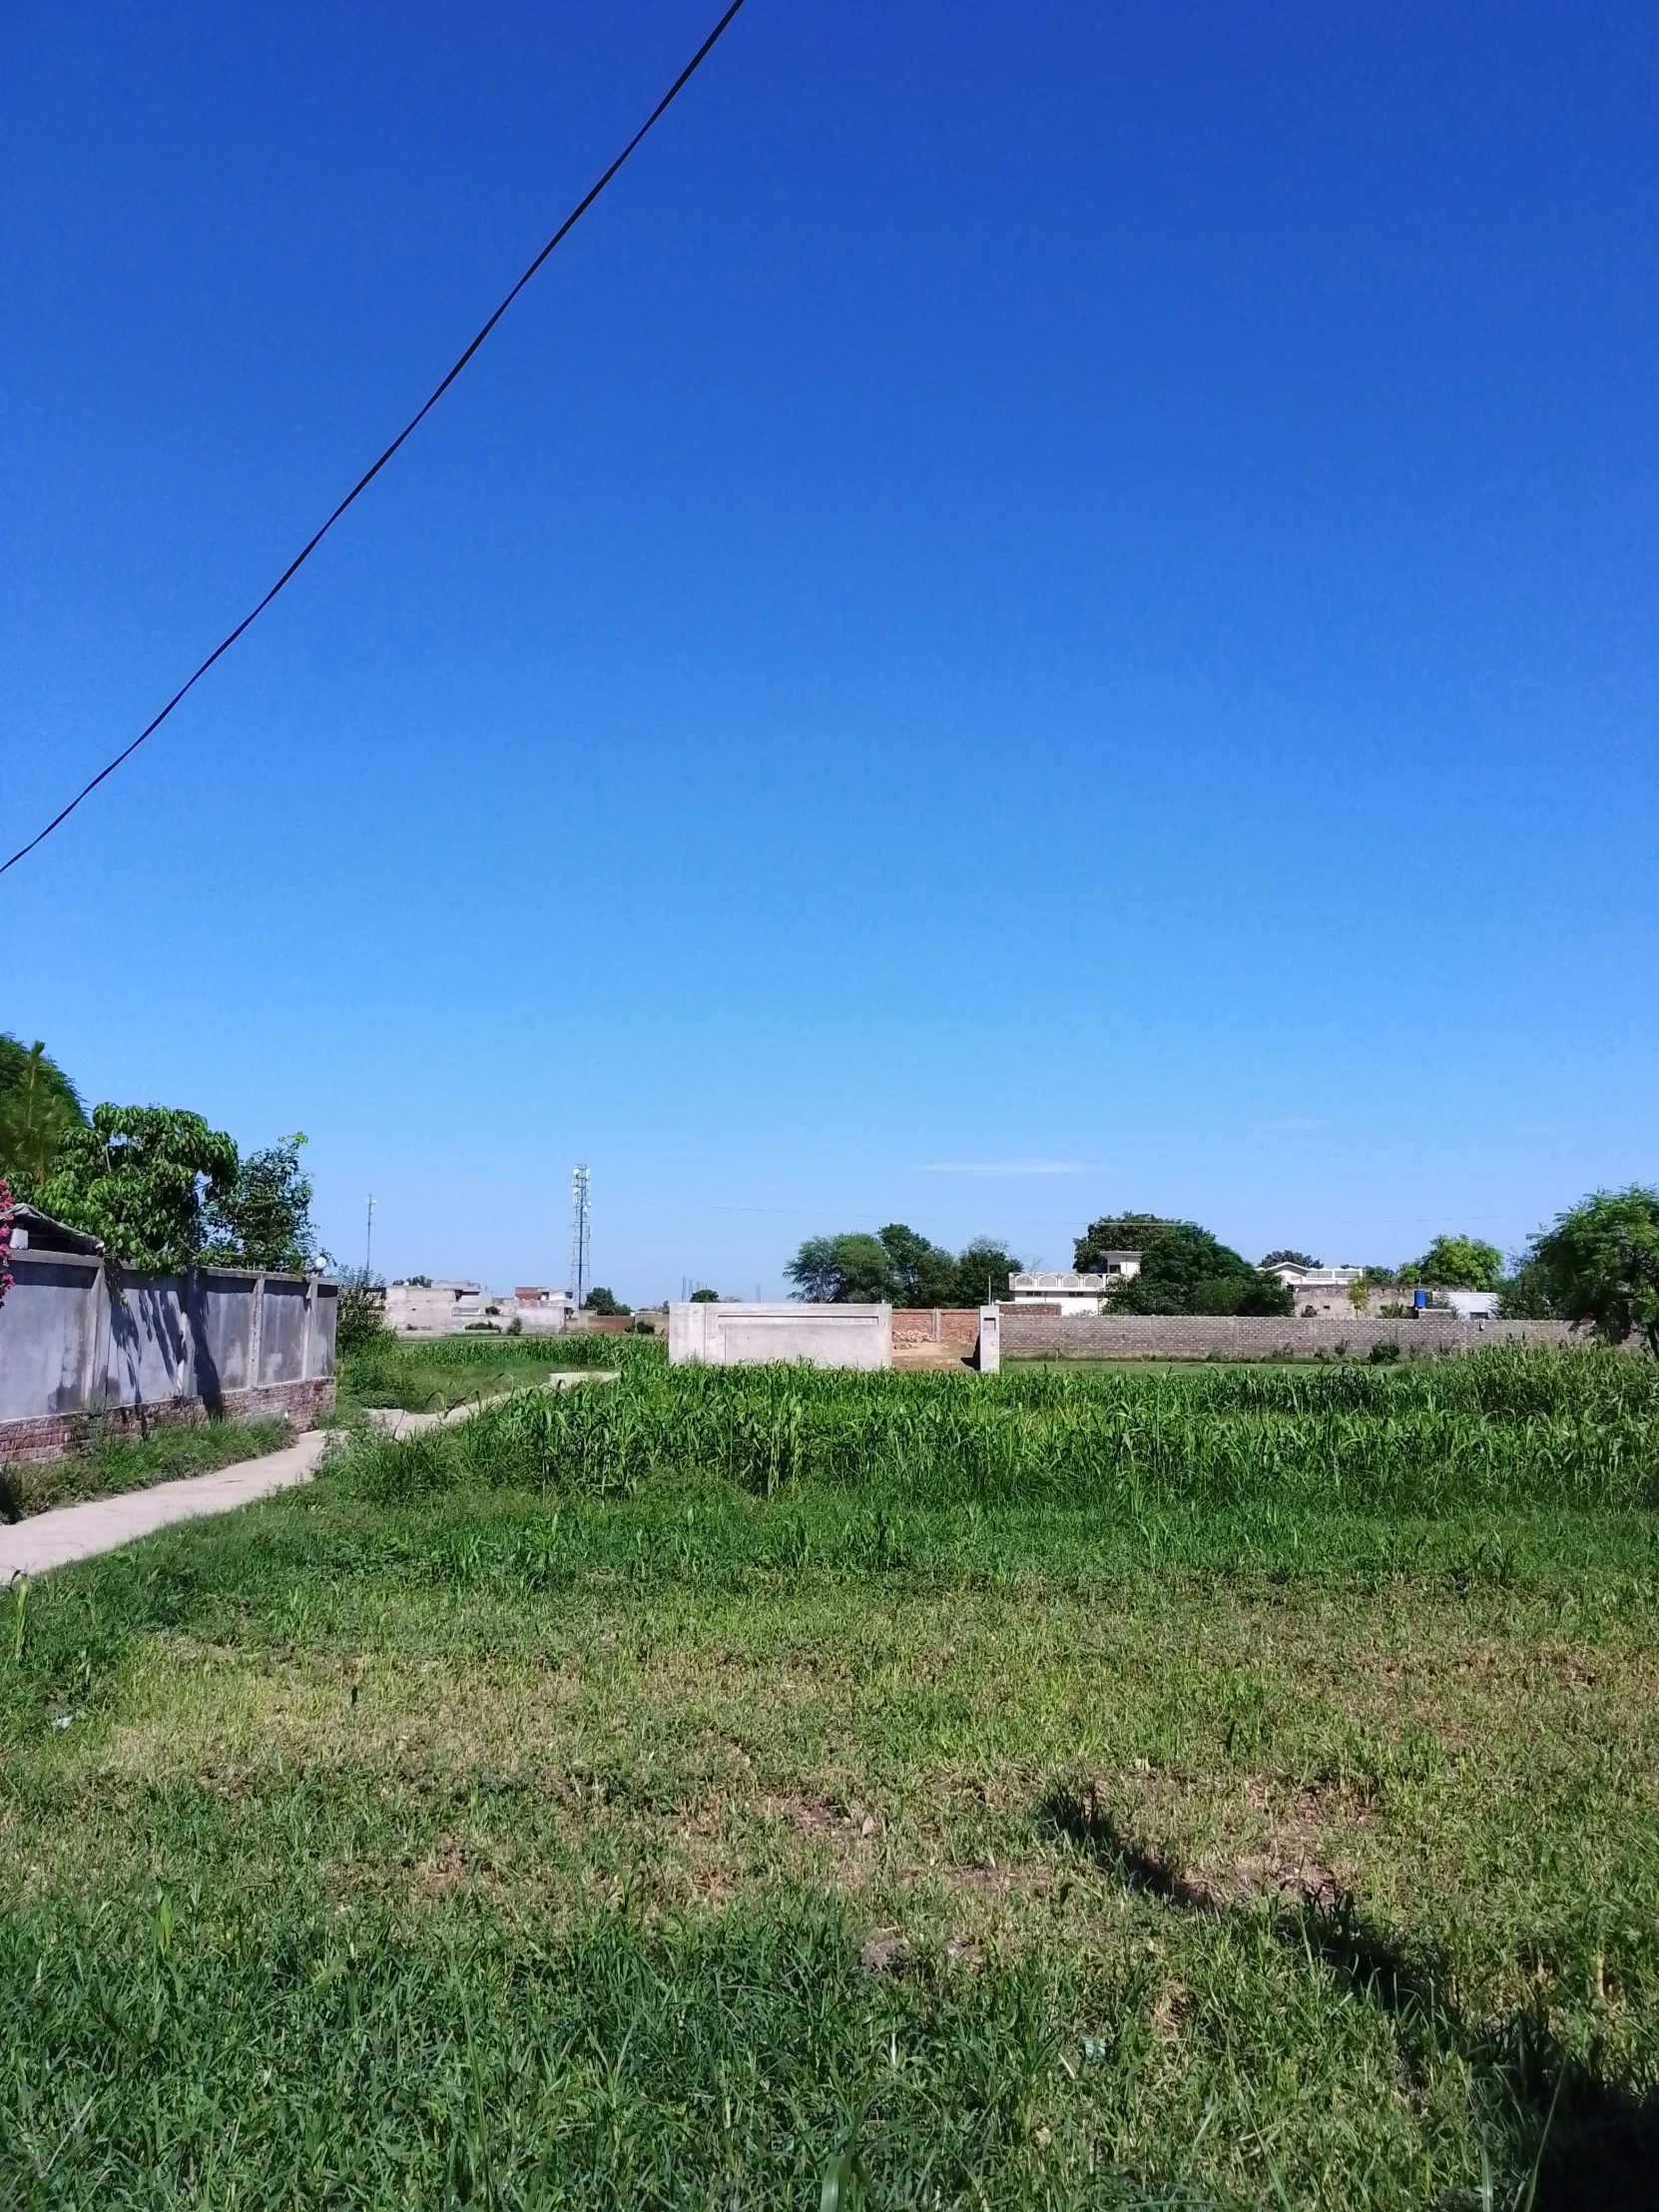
(580, 1233)
(368, 1236)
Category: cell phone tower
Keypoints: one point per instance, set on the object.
(580, 1234)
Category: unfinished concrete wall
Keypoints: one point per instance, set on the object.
(79, 1342)
(433, 1309)
(742, 1335)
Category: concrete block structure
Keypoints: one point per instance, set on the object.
(734, 1334)
(990, 1339)
(84, 1342)
(538, 1311)
(433, 1309)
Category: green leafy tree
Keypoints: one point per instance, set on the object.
(1114, 1232)
(598, 1301)
(897, 1266)
(1184, 1270)
(980, 1268)
(850, 1269)
(140, 1178)
(39, 1107)
(263, 1220)
(1289, 1258)
(361, 1314)
(1601, 1264)
(1459, 1264)
(922, 1272)
(1526, 1292)
(705, 1298)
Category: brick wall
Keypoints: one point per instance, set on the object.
(1030, 1334)
(935, 1324)
(51, 1436)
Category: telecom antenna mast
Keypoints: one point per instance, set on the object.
(580, 1233)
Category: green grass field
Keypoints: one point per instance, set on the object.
(1222, 1788)
(431, 1375)
(112, 1463)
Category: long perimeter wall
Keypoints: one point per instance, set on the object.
(81, 1343)
(1038, 1336)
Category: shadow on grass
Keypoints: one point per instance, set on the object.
(1599, 2143)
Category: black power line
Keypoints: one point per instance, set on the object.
(309, 547)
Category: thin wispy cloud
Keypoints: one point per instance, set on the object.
(1007, 1167)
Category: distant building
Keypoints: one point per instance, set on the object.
(433, 1309)
(1326, 1290)
(538, 1311)
(447, 1309)
(1472, 1304)
(1070, 1292)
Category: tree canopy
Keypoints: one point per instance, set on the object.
(600, 1301)
(1458, 1264)
(39, 1107)
(1285, 1257)
(264, 1218)
(140, 1178)
(162, 1191)
(157, 1186)
(1600, 1264)
(1184, 1270)
(1115, 1233)
(898, 1267)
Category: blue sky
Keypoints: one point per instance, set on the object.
(1043, 611)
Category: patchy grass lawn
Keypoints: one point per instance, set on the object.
(431, 1373)
(438, 1833)
(113, 1464)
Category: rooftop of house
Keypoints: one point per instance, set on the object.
(33, 1230)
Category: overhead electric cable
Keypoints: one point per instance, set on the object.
(361, 486)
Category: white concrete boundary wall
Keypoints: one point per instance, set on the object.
(742, 1335)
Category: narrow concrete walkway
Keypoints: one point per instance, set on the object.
(398, 1422)
(71, 1532)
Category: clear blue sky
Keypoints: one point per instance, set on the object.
(1045, 610)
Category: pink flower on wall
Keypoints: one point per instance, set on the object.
(5, 1238)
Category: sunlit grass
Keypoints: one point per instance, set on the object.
(535, 1828)
(111, 1463)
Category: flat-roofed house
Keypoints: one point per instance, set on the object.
(1325, 1290)
(1071, 1292)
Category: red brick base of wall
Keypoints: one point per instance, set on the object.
(935, 1336)
(54, 1435)
(950, 1325)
